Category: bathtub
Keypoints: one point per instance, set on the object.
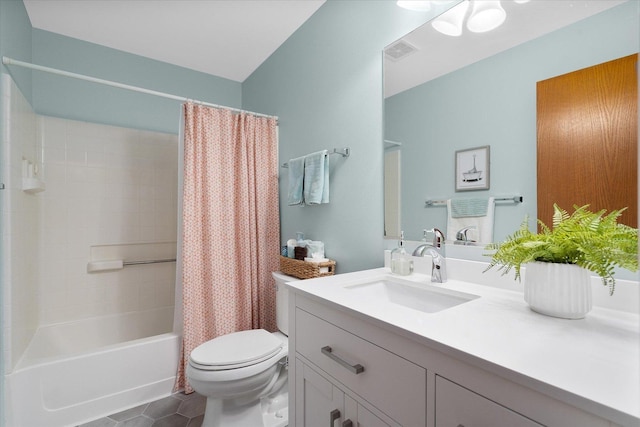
(75, 372)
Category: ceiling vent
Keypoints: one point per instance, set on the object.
(399, 50)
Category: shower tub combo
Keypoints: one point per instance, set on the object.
(74, 372)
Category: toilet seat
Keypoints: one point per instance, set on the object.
(236, 350)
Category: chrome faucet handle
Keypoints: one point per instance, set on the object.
(438, 237)
(461, 235)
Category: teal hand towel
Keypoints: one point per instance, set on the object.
(461, 208)
(316, 178)
(296, 181)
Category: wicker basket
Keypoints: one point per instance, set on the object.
(304, 269)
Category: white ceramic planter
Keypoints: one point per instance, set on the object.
(558, 290)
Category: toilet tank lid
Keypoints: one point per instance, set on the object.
(278, 275)
(236, 348)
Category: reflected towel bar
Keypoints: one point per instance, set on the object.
(514, 199)
(344, 152)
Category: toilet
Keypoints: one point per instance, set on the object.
(243, 375)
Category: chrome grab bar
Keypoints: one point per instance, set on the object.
(151, 261)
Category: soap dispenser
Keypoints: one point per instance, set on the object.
(401, 263)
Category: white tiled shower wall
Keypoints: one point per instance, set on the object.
(104, 185)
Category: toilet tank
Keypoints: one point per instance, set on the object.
(282, 301)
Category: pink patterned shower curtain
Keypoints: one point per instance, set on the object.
(231, 228)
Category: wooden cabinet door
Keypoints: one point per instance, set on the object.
(587, 131)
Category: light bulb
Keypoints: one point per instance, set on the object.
(450, 22)
(485, 16)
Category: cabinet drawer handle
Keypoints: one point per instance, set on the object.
(347, 423)
(356, 369)
(334, 415)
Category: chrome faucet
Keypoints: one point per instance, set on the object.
(462, 238)
(437, 253)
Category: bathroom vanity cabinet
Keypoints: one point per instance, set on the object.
(350, 369)
(324, 403)
(390, 383)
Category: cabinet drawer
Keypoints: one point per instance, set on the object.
(456, 406)
(392, 384)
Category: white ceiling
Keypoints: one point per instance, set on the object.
(231, 38)
(226, 38)
(438, 54)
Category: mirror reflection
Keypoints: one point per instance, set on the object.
(451, 94)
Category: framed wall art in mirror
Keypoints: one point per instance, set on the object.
(472, 169)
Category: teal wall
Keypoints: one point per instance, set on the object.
(325, 84)
(493, 102)
(15, 40)
(79, 100)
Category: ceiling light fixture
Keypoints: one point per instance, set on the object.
(450, 22)
(485, 15)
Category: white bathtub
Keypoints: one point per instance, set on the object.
(75, 372)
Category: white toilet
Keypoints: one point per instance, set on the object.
(243, 375)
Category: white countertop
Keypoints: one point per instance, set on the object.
(592, 362)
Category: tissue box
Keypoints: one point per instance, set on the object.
(306, 270)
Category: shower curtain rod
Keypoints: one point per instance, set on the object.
(10, 61)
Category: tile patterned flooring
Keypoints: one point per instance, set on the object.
(177, 410)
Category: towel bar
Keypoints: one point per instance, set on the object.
(344, 152)
(514, 199)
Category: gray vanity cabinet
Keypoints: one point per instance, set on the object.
(390, 383)
(322, 403)
(349, 370)
(457, 406)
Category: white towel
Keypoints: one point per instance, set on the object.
(316, 178)
(483, 233)
(296, 179)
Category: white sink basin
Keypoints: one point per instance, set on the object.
(417, 296)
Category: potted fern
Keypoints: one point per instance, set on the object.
(558, 260)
